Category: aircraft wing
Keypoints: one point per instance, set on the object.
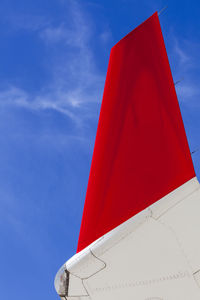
(140, 225)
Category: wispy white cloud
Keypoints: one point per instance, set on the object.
(185, 56)
(26, 22)
(188, 91)
(55, 34)
(75, 80)
(106, 36)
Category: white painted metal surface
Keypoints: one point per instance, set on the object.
(153, 256)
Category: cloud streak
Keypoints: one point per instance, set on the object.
(75, 80)
(185, 60)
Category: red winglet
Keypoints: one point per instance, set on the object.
(141, 151)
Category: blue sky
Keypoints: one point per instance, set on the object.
(53, 61)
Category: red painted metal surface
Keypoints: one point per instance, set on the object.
(141, 151)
